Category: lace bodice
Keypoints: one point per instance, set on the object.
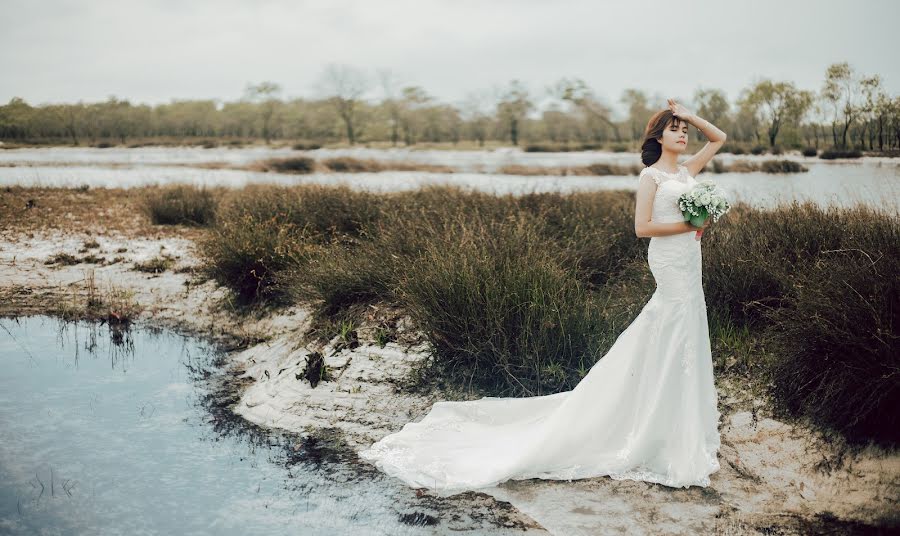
(669, 186)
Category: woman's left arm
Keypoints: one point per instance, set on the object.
(716, 138)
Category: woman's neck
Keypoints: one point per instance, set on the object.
(668, 160)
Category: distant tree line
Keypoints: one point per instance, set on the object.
(849, 111)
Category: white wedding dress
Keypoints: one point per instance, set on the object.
(645, 411)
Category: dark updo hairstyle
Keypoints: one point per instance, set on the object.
(651, 149)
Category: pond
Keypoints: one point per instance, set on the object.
(127, 432)
(873, 181)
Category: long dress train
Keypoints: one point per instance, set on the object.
(645, 411)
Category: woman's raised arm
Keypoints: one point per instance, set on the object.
(716, 138)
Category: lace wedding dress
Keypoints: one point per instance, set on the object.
(645, 411)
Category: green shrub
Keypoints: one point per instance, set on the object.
(339, 277)
(749, 256)
(836, 341)
(346, 164)
(589, 236)
(305, 146)
(267, 231)
(365, 267)
(500, 310)
(604, 168)
(810, 151)
(820, 285)
(732, 148)
(63, 259)
(180, 204)
(246, 255)
(758, 149)
(546, 148)
(831, 154)
(741, 166)
(295, 164)
(566, 147)
(156, 265)
(782, 166)
(594, 232)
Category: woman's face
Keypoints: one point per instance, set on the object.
(675, 136)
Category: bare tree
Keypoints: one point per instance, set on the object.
(639, 112)
(264, 93)
(871, 91)
(70, 116)
(391, 101)
(476, 112)
(344, 87)
(776, 103)
(711, 104)
(514, 105)
(578, 93)
(841, 90)
(894, 116)
(116, 120)
(817, 117)
(415, 99)
(882, 114)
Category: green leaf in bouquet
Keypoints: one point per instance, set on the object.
(697, 221)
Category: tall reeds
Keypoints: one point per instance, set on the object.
(521, 295)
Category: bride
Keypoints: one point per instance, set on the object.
(646, 411)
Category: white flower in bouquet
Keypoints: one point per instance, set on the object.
(705, 200)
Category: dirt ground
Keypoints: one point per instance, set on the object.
(775, 477)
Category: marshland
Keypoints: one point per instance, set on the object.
(208, 308)
(342, 311)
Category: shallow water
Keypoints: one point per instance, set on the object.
(873, 181)
(118, 432)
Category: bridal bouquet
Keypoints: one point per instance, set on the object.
(705, 200)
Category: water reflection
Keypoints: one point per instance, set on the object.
(107, 431)
(120, 340)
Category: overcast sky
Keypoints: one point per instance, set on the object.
(156, 51)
